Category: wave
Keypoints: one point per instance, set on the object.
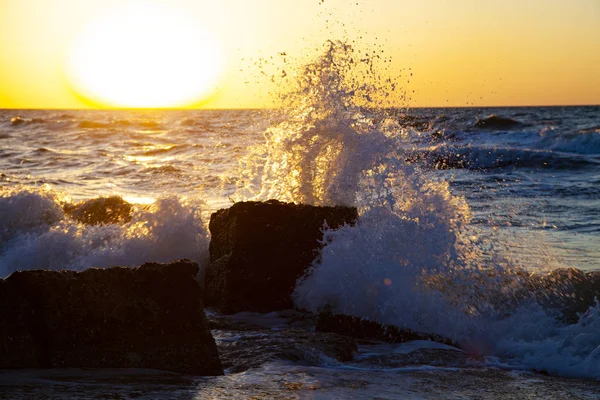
(18, 120)
(40, 229)
(585, 141)
(473, 157)
(69, 119)
(395, 271)
(412, 259)
(164, 150)
(121, 123)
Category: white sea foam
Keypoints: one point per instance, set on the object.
(411, 260)
(540, 342)
(37, 234)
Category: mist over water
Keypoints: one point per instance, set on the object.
(457, 206)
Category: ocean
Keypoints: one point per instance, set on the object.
(454, 196)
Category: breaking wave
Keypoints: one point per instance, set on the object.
(450, 157)
(40, 230)
(412, 259)
(586, 141)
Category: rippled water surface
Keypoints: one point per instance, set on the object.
(534, 176)
(445, 195)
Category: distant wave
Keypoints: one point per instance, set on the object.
(585, 141)
(90, 124)
(188, 122)
(64, 116)
(163, 150)
(16, 121)
(470, 157)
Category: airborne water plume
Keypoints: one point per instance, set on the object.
(337, 145)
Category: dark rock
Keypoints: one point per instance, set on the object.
(18, 348)
(363, 329)
(569, 290)
(101, 210)
(15, 121)
(240, 351)
(494, 122)
(145, 317)
(258, 251)
(222, 323)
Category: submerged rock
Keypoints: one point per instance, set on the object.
(370, 330)
(101, 210)
(258, 250)
(495, 122)
(569, 290)
(146, 317)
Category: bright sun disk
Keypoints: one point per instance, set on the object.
(144, 56)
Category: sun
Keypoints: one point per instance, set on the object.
(144, 56)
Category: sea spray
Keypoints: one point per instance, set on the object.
(338, 144)
(38, 235)
(413, 259)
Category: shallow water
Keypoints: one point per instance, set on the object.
(286, 381)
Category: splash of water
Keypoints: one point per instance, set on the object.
(338, 142)
(412, 259)
(37, 234)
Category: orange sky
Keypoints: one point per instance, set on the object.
(461, 52)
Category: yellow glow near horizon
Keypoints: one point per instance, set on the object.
(53, 53)
(144, 56)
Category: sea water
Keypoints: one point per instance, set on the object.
(445, 196)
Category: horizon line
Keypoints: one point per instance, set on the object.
(274, 108)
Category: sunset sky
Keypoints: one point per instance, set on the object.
(57, 53)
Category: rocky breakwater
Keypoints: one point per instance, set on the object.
(258, 250)
(146, 317)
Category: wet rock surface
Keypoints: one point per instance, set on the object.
(569, 290)
(369, 330)
(100, 211)
(146, 317)
(267, 357)
(259, 249)
(18, 346)
(295, 382)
